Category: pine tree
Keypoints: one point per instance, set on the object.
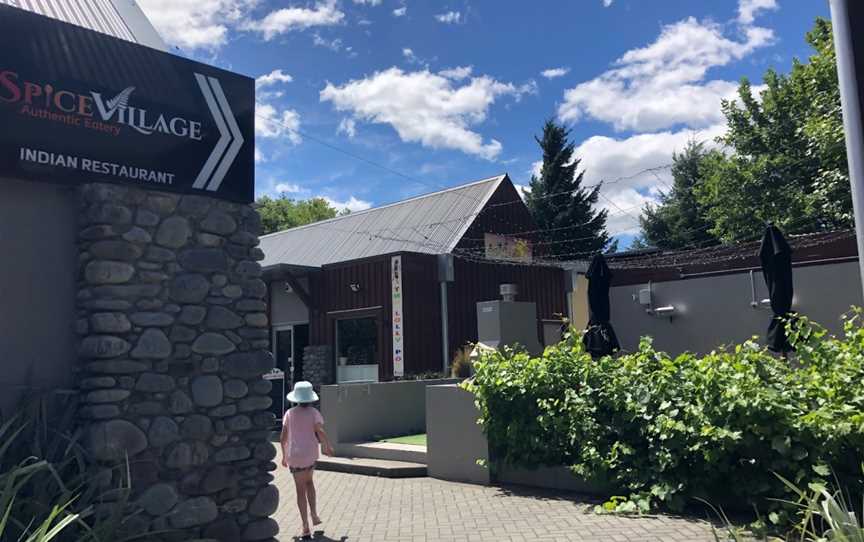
(678, 220)
(565, 211)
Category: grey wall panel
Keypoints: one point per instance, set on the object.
(711, 311)
(286, 308)
(37, 287)
(454, 441)
(364, 412)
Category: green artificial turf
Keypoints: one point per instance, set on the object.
(416, 440)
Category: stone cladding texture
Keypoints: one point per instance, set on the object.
(170, 355)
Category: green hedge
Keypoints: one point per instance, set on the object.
(720, 427)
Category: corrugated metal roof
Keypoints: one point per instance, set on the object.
(119, 18)
(431, 224)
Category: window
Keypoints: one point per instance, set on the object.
(357, 341)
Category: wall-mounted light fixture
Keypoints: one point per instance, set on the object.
(646, 299)
(288, 289)
(355, 287)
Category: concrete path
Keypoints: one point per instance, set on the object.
(362, 508)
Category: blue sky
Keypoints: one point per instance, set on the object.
(441, 93)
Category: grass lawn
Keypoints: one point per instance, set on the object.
(416, 440)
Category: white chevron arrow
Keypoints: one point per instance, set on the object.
(231, 154)
(219, 160)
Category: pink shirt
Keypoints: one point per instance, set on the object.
(302, 446)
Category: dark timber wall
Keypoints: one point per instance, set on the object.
(477, 282)
(505, 214)
(333, 299)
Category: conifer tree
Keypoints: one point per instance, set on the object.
(563, 209)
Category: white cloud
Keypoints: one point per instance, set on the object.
(400, 12)
(663, 84)
(259, 156)
(289, 188)
(617, 159)
(272, 123)
(368, 2)
(325, 13)
(530, 87)
(458, 73)
(353, 204)
(607, 3)
(451, 17)
(333, 45)
(408, 53)
(424, 107)
(521, 189)
(552, 73)
(347, 126)
(272, 78)
(195, 24)
(747, 9)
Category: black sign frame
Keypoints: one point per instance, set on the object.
(80, 106)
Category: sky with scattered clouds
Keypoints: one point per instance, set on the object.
(365, 102)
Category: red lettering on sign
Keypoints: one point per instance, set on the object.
(31, 90)
(7, 81)
(58, 101)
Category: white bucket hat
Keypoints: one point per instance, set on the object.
(303, 393)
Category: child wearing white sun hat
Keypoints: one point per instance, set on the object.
(302, 430)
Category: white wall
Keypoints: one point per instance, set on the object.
(711, 311)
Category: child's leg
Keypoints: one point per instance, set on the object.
(300, 485)
(312, 497)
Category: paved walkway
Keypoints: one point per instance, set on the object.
(360, 508)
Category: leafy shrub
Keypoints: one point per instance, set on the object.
(426, 375)
(666, 430)
(461, 365)
(47, 491)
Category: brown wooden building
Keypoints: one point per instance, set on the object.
(334, 284)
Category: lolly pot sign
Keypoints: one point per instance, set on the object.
(80, 106)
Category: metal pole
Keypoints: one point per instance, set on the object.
(850, 83)
(445, 333)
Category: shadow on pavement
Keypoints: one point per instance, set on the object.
(546, 494)
(320, 537)
(695, 513)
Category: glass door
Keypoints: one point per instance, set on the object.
(301, 341)
(283, 352)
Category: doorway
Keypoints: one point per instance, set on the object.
(289, 342)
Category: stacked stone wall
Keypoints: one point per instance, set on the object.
(318, 365)
(173, 343)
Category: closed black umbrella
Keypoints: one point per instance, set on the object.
(599, 338)
(776, 257)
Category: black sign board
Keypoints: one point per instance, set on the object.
(80, 106)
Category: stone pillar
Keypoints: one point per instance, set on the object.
(173, 339)
(318, 365)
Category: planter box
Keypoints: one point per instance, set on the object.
(455, 442)
(366, 412)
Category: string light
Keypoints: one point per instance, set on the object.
(661, 259)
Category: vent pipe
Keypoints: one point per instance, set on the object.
(509, 292)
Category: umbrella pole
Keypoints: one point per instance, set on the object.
(846, 16)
